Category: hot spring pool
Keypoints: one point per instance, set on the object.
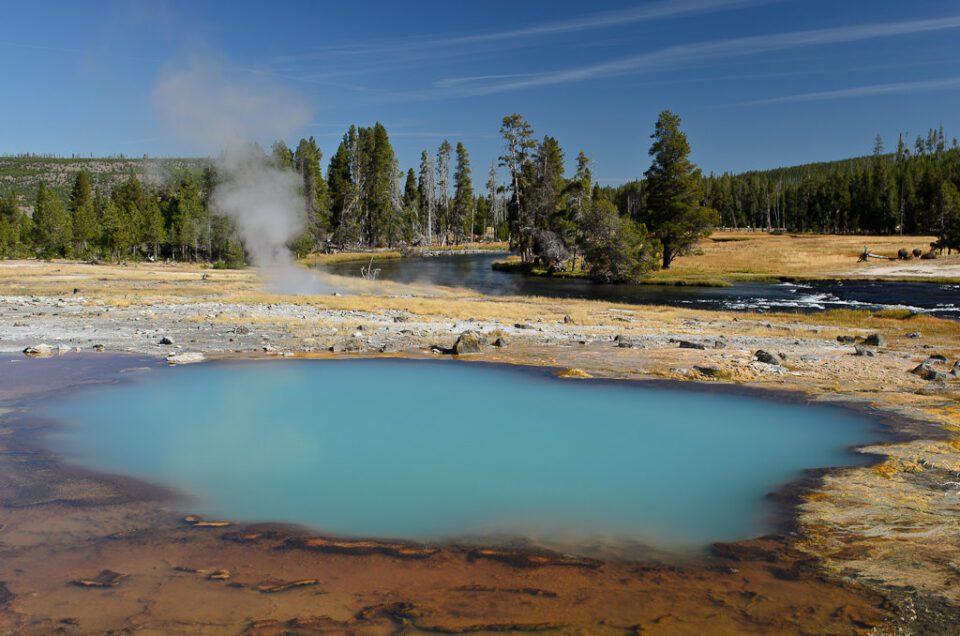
(434, 450)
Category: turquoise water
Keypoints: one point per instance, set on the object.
(440, 450)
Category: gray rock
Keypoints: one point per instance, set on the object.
(39, 351)
(875, 340)
(187, 357)
(928, 373)
(846, 339)
(708, 370)
(98, 347)
(630, 342)
(240, 330)
(914, 334)
(686, 344)
(166, 340)
(936, 358)
(468, 342)
(860, 350)
(766, 357)
(522, 325)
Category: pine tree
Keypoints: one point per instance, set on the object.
(463, 204)
(673, 190)
(116, 237)
(306, 161)
(153, 232)
(10, 223)
(282, 155)
(52, 227)
(518, 137)
(84, 220)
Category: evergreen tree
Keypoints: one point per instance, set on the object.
(463, 203)
(153, 232)
(282, 155)
(615, 248)
(83, 217)
(673, 191)
(518, 137)
(10, 225)
(549, 185)
(950, 215)
(52, 227)
(116, 236)
(306, 161)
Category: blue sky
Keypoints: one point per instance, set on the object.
(757, 83)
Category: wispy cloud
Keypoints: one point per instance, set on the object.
(352, 57)
(708, 50)
(862, 91)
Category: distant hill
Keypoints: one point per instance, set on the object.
(24, 172)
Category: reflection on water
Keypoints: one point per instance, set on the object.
(474, 272)
(432, 450)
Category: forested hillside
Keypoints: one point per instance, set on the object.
(22, 173)
(911, 190)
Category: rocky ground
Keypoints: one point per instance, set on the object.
(892, 528)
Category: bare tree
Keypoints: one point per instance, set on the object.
(443, 187)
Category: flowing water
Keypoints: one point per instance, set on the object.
(474, 271)
(435, 450)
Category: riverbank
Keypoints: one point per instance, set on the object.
(888, 529)
(730, 257)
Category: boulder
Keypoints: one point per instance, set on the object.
(766, 357)
(875, 340)
(860, 350)
(914, 334)
(928, 256)
(630, 342)
(39, 351)
(468, 342)
(928, 373)
(240, 330)
(846, 339)
(936, 358)
(166, 340)
(686, 344)
(709, 370)
(186, 357)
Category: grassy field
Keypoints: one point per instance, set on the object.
(729, 257)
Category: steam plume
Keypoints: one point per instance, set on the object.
(223, 118)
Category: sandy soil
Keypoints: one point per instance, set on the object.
(873, 547)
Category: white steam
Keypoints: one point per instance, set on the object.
(224, 118)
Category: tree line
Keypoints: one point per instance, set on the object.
(909, 191)
(552, 220)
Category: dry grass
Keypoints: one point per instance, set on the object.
(757, 256)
